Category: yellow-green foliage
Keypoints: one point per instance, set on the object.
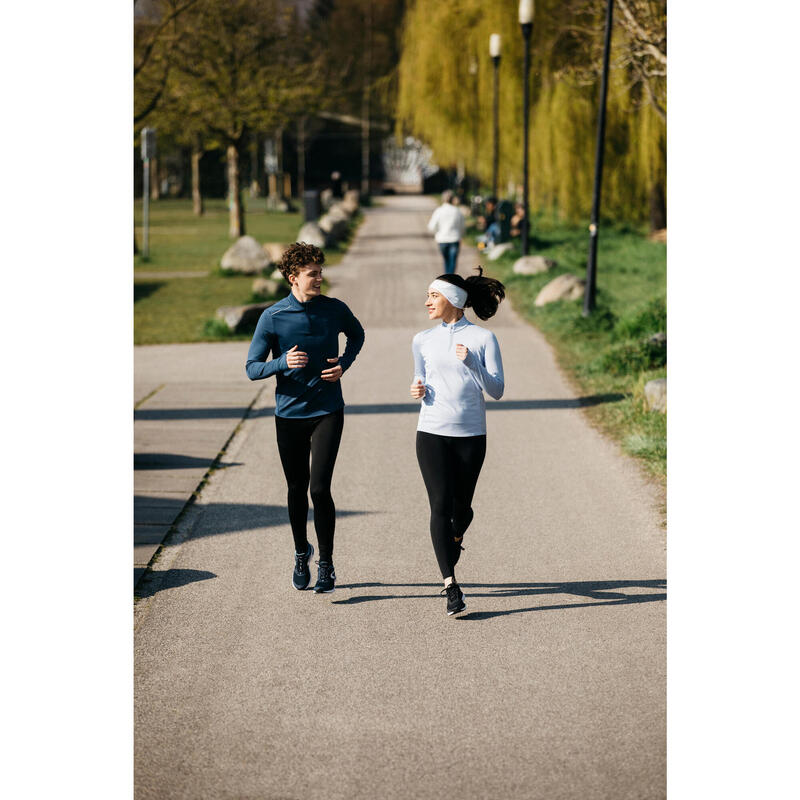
(450, 107)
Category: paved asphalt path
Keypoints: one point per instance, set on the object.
(551, 685)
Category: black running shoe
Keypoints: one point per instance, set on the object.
(326, 577)
(455, 599)
(301, 575)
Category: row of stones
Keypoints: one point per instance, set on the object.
(570, 287)
(246, 256)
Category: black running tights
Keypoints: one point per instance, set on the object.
(314, 439)
(450, 467)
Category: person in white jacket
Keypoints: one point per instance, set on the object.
(454, 364)
(447, 225)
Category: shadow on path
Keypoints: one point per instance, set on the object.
(377, 408)
(607, 593)
(175, 461)
(221, 518)
(155, 581)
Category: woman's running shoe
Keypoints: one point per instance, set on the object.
(326, 577)
(301, 575)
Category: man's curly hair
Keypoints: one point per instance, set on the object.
(299, 255)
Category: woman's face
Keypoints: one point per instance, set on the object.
(438, 305)
(308, 281)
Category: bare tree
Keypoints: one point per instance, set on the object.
(237, 68)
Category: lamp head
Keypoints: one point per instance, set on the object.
(525, 12)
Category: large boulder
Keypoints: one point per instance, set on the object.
(349, 206)
(497, 250)
(564, 287)
(326, 198)
(311, 233)
(277, 203)
(245, 255)
(340, 211)
(533, 265)
(266, 287)
(274, 251)
(239, 318)
(334, 225)
(655, 395)
(351, 200)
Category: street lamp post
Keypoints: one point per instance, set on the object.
(526, 23)
(591, 263)
(148, 153)
(494, 52)
(473, 71)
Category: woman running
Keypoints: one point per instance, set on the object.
(301, 333)
(454, 364)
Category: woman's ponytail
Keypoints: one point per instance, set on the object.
(483, 294)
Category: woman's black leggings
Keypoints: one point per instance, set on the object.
(314, 439)
(450, 467)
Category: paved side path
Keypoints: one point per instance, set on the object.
(188, 400)
(552, 685)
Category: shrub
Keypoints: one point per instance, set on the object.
(633, 356)
(216, 329)
(652, 319)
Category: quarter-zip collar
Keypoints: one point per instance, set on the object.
(457, 326)
(295, 305)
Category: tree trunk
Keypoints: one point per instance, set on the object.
(255, 184)
(279, 150)
(155, 191)
(236, 228)
(658, 208)
(301, 157)
(365, 143)
(365, 133)
(197, 197)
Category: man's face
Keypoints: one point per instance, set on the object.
(308, 280)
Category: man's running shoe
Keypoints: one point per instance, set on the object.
(455, 599)
(301, 575)
(326, 577)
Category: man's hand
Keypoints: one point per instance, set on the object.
(332, 374)
(296, 358)
(418, 389)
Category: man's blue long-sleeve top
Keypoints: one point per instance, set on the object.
(314, 327)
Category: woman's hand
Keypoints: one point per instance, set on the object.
(418, 389)
(462, 351)
(296, 358)
(332, 374)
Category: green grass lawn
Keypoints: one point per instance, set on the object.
(179, 240)
(171, 309)
(607, 353)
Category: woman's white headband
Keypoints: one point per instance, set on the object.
(455, 295)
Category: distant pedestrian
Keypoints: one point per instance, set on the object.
(454, 364)
(297, 340)
(447, 225)
(487, 222)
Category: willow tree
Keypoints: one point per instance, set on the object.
(440, 87)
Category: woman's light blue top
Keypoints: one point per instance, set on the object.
(453, 404)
